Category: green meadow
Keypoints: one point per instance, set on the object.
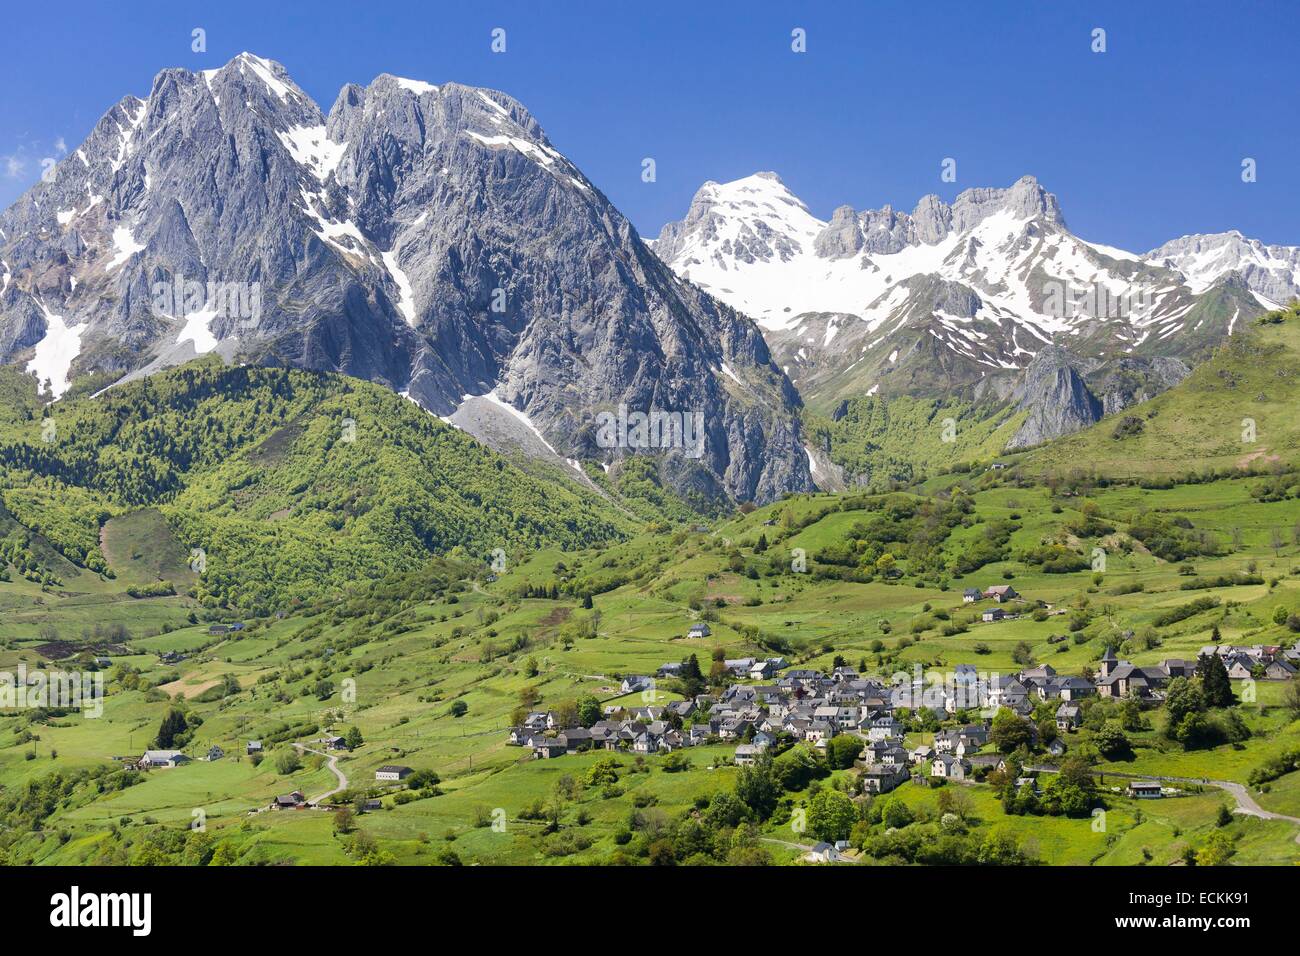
(434, 680)
(384, 624)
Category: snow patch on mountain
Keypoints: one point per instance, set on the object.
(406, 301)
(418, 87)
(55, 352)
(313, 149)
(533, 151)
(198, 330)
(124, 245)
(264, 70)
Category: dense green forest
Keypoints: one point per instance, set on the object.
(287, 482)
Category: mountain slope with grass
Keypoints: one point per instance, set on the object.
(444, 660)
(1234, 411)
(290, 483)
(877, 440)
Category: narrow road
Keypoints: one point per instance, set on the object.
(334, 768)
(794, 846)
(1246, 804)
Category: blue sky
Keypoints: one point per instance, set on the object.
(1141, 143)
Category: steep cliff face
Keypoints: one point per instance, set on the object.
(1128, 381)
(429, 238)
(1064, 394)
(1056, 397)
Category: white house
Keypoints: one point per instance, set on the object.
(162, 758)
(1145, 789)
(393, 772)
(949, 767)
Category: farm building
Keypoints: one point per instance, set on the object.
(1144, 789)
(162, 758)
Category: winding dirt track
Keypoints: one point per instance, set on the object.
(334, 768)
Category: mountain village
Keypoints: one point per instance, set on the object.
(767, 705)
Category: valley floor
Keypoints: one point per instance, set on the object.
(433, 678)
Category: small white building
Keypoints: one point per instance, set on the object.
(1145, 789)
(163, 758)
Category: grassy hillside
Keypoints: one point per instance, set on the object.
(1237, 410)
(879, 440)
(290, 483)
(431, 667)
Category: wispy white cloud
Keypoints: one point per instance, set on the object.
(30, 157)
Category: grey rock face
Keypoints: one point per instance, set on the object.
(932, 218)
(426, 237)
(1127, 381)
(1058, 400)
(883, 231)
(1272, 271)
(842, 236)
(1025, 199)
(1065, 393)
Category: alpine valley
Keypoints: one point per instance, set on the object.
(306, 473)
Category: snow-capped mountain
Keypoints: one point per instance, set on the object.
(1273, 272)
(948, 296)
(430, 238)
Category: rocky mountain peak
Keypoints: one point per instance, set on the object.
(1272, 271)
(844, 311)
(1024, 199)
(427, 237)
(754, 219)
